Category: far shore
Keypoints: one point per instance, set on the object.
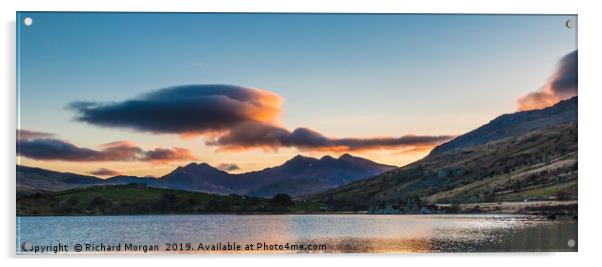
(541, 208)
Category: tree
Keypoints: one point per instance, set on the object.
(165, 203)
(98, 203)
(73, 200)
(282, 200)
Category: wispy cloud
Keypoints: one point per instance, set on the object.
(228, 167)
(26, 134)
(271, 137)
(105, 172)
(44, 148)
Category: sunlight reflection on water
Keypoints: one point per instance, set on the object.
(340, 233)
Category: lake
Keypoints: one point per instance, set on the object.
(297, 233)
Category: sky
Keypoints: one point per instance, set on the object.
(141, 94)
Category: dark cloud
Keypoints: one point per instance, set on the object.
(272, 137)
(251, 135)
(233, 117)
(26, 134)
(105, 172)
(187, 110)
(228, 167)
(564, 80)
(562, 84)
(55, 149)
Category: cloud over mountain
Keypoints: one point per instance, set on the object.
(562, 84)
(44, 148)
(104, 172)
(160, 155)
(232, 117)
(228, 167)
(271, 137)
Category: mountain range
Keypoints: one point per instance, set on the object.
(297, 177)
(528, 155)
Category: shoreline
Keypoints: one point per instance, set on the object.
(533, 208)
(541, 207)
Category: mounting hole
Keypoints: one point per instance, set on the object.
(26, 246)
(571, 243)
(570, 23)
(27, 21)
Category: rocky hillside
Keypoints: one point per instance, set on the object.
(526, 155)
(513, 125)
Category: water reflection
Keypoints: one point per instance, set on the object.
(340, 233)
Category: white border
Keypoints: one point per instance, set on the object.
(590, 151)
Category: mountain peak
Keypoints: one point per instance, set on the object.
(193, 166)
(190, 165)
(346, 156)
(300, 158)
(327, 157)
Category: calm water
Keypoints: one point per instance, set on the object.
(338, 233)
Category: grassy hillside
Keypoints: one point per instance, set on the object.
(32, 180)
(138, 199)
(540, 165)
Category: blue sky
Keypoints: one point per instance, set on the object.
(343, 75)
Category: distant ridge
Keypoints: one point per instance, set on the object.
(298, 176)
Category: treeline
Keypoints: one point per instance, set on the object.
(139, 199)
